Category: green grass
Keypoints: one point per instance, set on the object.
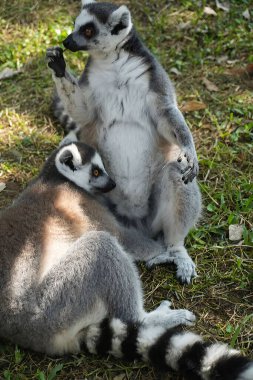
(182, 37)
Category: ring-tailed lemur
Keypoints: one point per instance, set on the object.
(66, 283)
(125, 105)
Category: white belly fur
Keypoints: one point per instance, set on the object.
(127, 141)
(129, 153)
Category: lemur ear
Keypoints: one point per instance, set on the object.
(66, 158)
(120, 19)
(85, 2)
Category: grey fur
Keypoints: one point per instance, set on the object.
(62, 262)
(123, 99)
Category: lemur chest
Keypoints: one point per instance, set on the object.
(119, 90)
(126, 137)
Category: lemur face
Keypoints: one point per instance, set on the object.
(100, 27)
(82, 165)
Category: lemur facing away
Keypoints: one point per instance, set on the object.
(124, 104)
(66, 282)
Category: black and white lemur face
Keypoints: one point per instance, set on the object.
(82, 165)
(100, 27)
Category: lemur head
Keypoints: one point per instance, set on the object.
(100, 27)
(82, 165)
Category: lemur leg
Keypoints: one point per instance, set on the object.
(178, 209)
(97, 279)
(68, 89)
(140, 246)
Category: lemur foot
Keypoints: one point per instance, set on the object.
(192, 166)
(166, 317)
(55, 61)
(186, 269)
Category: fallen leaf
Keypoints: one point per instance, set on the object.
(2, 186)
(235, 232)
(237, 72)
(210, 11)
(224, 6)
(246, 14)
(210, 85)
(192, 106)
(175, 71)
(242, 71)
(221, 59)
(184, 25)
(249, 69)
(8, 73)
(232, 61)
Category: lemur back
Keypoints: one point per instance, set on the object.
(37, 231)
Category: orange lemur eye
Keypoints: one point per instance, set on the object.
(95, 173)
(88, 32)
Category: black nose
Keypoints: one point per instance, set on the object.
(112, 184)
(109, 186)
(70, 44)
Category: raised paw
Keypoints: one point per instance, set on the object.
(55, 61)
(192, 167)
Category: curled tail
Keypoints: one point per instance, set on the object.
(62, 116)
(182, 351)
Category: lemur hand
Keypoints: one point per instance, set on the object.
(55, 61)
(192, 166)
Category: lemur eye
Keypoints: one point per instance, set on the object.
(88, 32)
(95, 172)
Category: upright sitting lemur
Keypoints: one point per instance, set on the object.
(66, 282)
(124, 104)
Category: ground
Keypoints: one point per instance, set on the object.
(193, 45)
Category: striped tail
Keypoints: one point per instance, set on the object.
(62, 116)
(172, 349)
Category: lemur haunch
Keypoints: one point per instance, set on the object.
(66, 282)
(125, 105)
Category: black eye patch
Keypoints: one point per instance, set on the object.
(88, 30)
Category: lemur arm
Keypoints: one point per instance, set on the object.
(67, 86)
(170, 123)
(172, 127)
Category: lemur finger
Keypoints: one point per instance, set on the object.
(190, 173)
(187, 173)
(183, 171)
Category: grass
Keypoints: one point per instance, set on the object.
(198, 46)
